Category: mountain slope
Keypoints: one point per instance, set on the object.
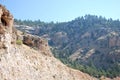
(90, 42)
(24, 63)
(21, 62)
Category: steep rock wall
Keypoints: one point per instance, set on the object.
(6, 26)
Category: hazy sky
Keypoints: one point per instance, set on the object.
(61, 10)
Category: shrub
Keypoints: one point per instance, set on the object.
(19, 42)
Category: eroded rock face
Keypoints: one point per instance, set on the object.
(38, 43)
(6, 24)
(6, 19)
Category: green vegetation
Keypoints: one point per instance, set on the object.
(95, 38)
(19, 42)
(91, 69)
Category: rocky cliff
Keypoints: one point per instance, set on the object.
(6, 33)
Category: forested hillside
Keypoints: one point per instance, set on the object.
(90, 43)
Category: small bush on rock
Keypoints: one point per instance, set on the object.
(19, 42)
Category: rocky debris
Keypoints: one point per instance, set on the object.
(25, 63)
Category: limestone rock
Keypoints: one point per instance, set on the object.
(6, 24)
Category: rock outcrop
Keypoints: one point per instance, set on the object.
(38, 43)
(6, 26)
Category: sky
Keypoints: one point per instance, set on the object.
(61, 10)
